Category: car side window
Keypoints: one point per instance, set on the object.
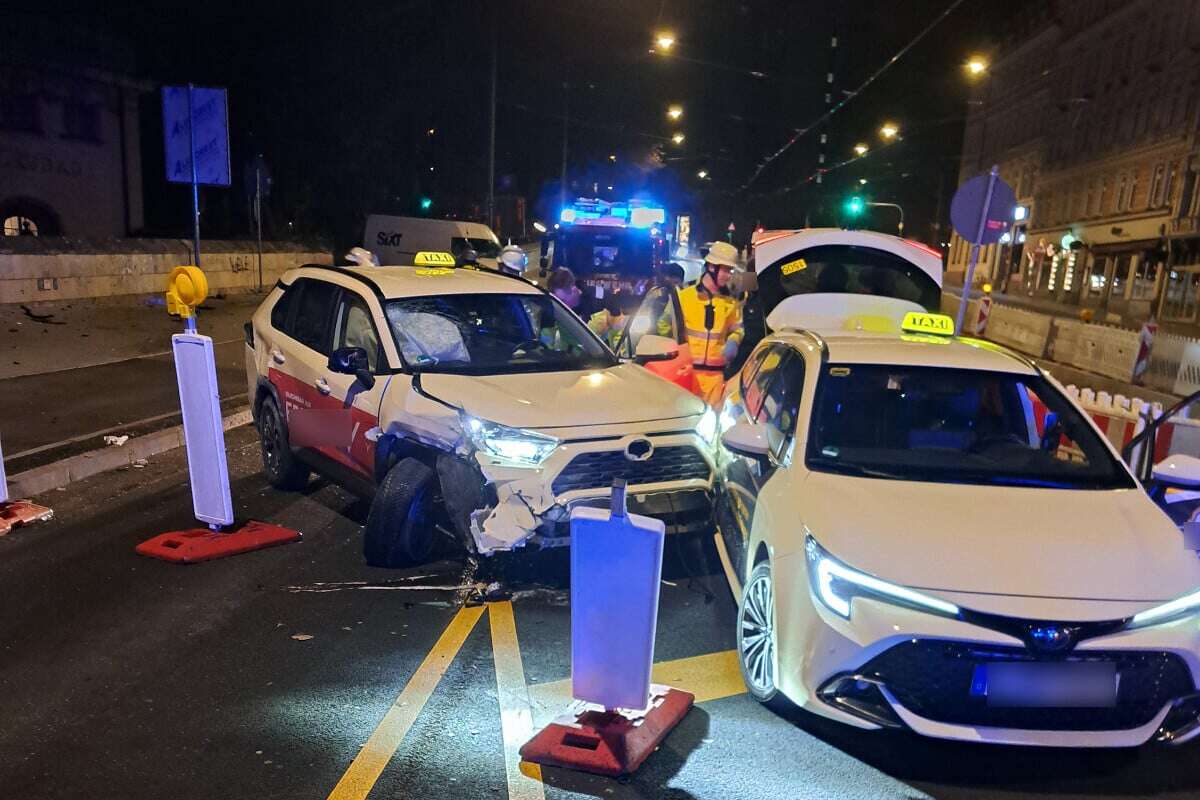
(314, 307)
(781, 404)
(763, 370)
(355, 328)
(281, 317)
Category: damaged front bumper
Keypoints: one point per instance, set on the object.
(673, 482)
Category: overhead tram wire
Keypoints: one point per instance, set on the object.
(802, 132)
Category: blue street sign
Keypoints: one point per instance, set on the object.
(967, 209)
(202, 126)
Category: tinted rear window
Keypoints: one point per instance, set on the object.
(846, 269)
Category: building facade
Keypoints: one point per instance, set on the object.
(70, 153)
(1092, 116)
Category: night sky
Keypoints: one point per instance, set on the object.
(339, 98)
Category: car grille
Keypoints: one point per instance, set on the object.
(933, 679)
(596, 470)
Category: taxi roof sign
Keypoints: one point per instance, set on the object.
(433, 258)
(923, 322)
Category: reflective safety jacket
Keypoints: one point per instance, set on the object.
(707, 341)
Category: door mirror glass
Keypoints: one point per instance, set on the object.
(348, 360)
(1178, 471)
(652, 347)
(1052, 431)
(746, 439)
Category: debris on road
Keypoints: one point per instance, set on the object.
(47, 319)
(302, 637)
(115, 441)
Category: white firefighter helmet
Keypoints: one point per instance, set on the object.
(513, 259)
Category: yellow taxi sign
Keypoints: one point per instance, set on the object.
(923, 322)
(794, 266)
(432, 272)
(432, 258)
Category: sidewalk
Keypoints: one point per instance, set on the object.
(72, 373)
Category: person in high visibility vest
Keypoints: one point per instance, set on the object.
(610, 321)
(712, 318)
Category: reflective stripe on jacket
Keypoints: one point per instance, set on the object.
(707, 345)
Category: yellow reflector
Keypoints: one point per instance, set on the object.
(434, 271)
(432, 258)
(921, 322)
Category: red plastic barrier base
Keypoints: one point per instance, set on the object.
(201, 544)
(16, 513)
(592, 739)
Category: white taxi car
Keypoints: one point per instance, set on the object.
(925, 532)
(465, 402)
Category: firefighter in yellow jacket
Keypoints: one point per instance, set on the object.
(712, 318)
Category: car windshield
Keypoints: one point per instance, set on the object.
(955, 426)
(484, 248)
(483, 334)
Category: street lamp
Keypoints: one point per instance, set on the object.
(678, 138)
(664, 41)
(889, 130)
(539, 227)
(612, 157)
(675, 111)
(900, 226)
(860, 149)
(976, 66)
(702, 174)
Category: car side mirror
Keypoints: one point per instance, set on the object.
(1052, 431)
(745, 439)
(1178, 471)
(652, 347)
(352, 361)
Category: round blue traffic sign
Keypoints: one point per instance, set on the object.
(967, 209)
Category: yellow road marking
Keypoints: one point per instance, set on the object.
(368, 765)
(709, 677)
(516, 716)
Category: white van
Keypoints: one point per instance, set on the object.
(397, 240)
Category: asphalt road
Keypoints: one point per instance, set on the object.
(298, 672)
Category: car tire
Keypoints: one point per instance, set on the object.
(282, 468)
(400, 530)
(756, 638)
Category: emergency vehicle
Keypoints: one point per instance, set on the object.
(609, 246)
(475, 408)
(925, 532)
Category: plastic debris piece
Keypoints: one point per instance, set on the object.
(302, 637)
(116, 441)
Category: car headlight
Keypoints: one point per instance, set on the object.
(1176, 609)
(835, 585)
(709, 426)
(513, 445)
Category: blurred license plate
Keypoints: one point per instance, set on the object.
(1088, 684)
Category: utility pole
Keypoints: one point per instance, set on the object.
(491, 193)
(562, 194)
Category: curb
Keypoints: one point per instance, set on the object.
(76, 468)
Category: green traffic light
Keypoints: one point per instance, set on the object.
(855, 206)
(426, 203)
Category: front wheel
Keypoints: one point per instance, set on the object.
(756, 638)
(400, 527)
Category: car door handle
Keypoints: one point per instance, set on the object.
(277, 356)
(322, 386)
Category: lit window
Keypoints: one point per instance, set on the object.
(20, 226)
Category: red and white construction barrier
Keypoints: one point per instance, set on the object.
(15, 513)
(985, 310)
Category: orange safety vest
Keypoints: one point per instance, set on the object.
(707, 344)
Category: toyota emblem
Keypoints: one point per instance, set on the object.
(639, 450)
